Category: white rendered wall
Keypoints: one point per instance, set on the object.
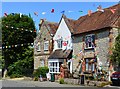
(64, 32)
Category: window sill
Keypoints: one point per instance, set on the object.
(55, 72)
(88, 48)
(46, 50)
(38, 51)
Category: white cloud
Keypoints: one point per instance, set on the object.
(43, 13)
(70, 11)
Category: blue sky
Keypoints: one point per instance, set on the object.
(31, 7)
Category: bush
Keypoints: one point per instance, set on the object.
(14, 71)
(61, 81)
(36, 79)
(15, 75)
(41, 71)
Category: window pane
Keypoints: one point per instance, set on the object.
(93, 67)
(89, 44)
(51, 64)
(59, 42)
(90, 67)
(46, 45)
(56, 64)
(86, 66)
(54, 67)
(51, 70)
(89, 41)
(42, 63)
(38, 47)
(87, 60)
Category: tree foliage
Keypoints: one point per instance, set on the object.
(17, 30)
(22, 67)
(116, 51)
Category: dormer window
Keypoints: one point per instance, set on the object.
(46, 45)
(89, 41)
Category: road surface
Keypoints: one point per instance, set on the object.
(36, 84)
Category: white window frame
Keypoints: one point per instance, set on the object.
(59, 43)
(89, 67)
(42, 63)
(53, 67)
(46, 43)
(87, 46)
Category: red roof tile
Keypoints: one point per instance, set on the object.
(51, 27)
(95, 21)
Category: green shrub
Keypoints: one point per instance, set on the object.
(41, 71)
(16, 75)
(14, 71)
(36, 79)
(61, 81)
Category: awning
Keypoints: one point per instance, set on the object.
(61, 54)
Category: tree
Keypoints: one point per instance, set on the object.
(22, 67)
(116, 52)
(17, 31)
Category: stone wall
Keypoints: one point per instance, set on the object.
(42, 36)
(102, 42)
(77, 46)
(72, 81)
(102, 47)
(38, 59)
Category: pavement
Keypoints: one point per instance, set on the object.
(116, 87)
(20, 82)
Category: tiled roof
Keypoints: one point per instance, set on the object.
(61, 54)
(95, 21)
(51, 26)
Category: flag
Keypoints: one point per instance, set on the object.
(62, 12)
(9, 46)
(113, 10)
(52, 11)
(89, 12)
(12, 13)
(80, 51)
(80, 11)
(31, 43)
(3, 47)
(20, 15)
(36, 13)
(12, 45)
(65, 43)
(21, 44)
(70, 11)
(99, 8)
(34, 30)
(15, 45)
(5, 14)
(29, 15)
(43, 13)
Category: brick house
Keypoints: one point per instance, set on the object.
(92, 38)
(43, 43)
